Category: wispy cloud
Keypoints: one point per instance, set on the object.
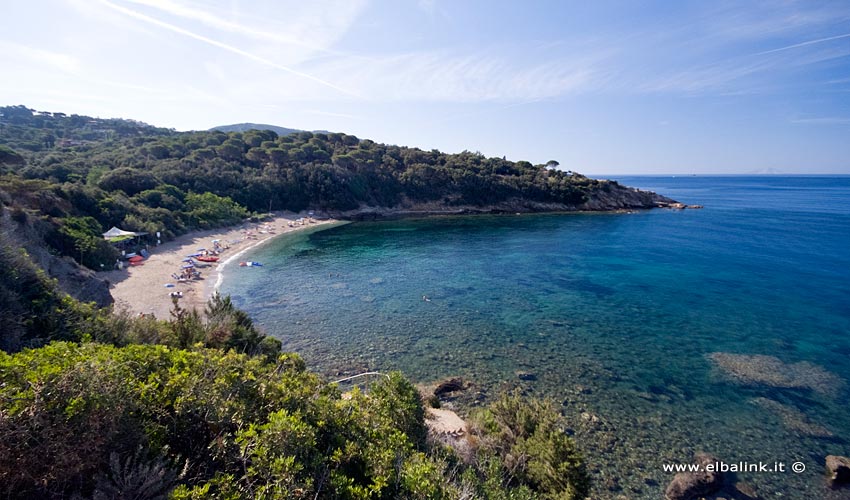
(48, 58)
(302, 28)
(743, 74)
(826, 120)
(720, 48)
(435, 76)
(221, 45)
(737, 22)
(804, 44)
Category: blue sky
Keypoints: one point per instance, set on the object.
(603, 87)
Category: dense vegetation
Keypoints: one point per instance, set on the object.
(147, 421)
(141, 178)
(95, 403)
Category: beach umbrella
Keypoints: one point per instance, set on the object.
(188, 259)
(194, 255)
(188, 266)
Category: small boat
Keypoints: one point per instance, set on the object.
(207, 258)
(250, 264)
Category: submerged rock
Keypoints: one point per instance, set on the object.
(529, 376)
(793, 419)
(838, 470)
(692, 485)
(772, 372)
(744, 491)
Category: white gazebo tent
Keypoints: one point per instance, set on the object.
(116, 234)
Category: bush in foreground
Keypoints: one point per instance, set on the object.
(526, 436)
(150, 421)
(90, 418)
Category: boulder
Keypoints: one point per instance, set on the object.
(838, 470)
(692, 485)
(449, 385)
(744, 491)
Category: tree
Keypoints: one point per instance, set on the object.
(129, 180)
(209, 210)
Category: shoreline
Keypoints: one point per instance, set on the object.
(219, 269)
(142, 289)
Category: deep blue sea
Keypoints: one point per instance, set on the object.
(648, 326)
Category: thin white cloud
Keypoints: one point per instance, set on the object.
(235, 50)
(703, 78)
(746, 74)
(826, 120)
(301, 28)
(29, 54)
(804, 44)
(432, 76)
(837, 81)
(737, 22)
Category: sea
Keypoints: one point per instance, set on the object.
(660, 333)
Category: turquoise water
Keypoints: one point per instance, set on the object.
(615, 315)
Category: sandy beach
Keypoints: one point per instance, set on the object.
(142, 289)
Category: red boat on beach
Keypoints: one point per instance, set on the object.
(207, 258)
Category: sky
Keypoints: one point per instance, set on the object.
(603, 87)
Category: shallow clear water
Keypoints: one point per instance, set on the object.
(615, 314)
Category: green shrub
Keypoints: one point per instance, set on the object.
(83, 419)
(82, 239)
(210, 210)
(527, 437)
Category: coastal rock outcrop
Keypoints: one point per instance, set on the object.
(677, 205)
(450, 385)
(692, 485)
(612, 196)
(838, 470)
